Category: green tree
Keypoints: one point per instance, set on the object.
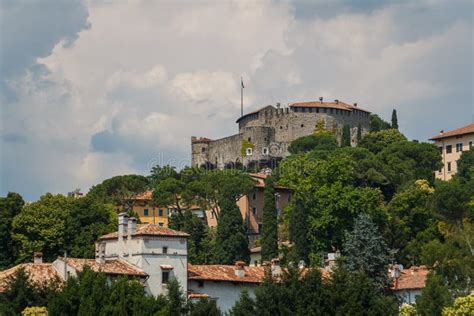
(356, 294)
(462, 306)
(269, 234)
(394, 119)
(244, 306)
(434, 297)
(10, 206)
(41, 226)
(119, 190)
(231, 239)
(311, 142)
(378, 140)
(451, 201)
(204, 307)
(466, 164)
(158, 173)
(176, 298)
(412, 222)
(359, 133)
(346, 136)
(168, 192)
(365, 251)
(299, 231)
(377, 124)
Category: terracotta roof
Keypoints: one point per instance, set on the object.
(468, 129)
(335, 105)
(225, 273)
(144, 196)
(37, 273)
(149, 230)
(254, 112)
(413, 278)
(118, 266)
(260, 181)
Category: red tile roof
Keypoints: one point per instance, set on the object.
(225, 273)
(38, 273)
(144, 196)
(119, 266)
(335, 105)
(149, 230)
(413, 278)
(468, 129)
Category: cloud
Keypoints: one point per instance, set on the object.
(116, 87)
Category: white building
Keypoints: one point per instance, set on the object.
(408, 283)
(451, 145)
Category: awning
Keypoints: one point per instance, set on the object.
(166, 267)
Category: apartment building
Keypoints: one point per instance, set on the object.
(451, 145)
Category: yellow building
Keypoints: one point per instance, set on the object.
(149, 214)
(451, 145)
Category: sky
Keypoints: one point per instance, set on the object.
(94, 89)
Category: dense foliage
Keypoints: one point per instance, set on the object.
(269, 234)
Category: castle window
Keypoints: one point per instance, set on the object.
(302, 125)
(317, 110)
(203, 149)
(281, 127)
(265, 151)
(249, 151)
(249, 139)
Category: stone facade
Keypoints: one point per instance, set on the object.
(264, 135)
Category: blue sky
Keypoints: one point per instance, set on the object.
(92, 89)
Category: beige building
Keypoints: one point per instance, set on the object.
(451, 145)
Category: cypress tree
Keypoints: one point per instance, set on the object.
(244, 306)
(346, 136)
(231, 240)
(359, 133)
(299, 231)
(394, 119)
(434, 297)
(269, 235)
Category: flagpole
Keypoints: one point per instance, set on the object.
(241, 97)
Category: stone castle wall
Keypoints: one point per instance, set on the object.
(270, 131)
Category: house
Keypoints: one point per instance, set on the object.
(451, 145)
(408, 283)
(141, 204)
(223, 283)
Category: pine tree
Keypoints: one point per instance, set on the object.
(177, 301)
(269, 234)
(299, 231)
(394, 119)
(366, 251)
(244, 306)
(231, 239)
(359, 133)
(346, 136)
(433, 297)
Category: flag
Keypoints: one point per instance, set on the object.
(242, 82)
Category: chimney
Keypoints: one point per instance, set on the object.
(321, 99)
(100, 253)
(132, 227)
(122, 225)
(240, 269)
(301, 265)
(441, 132)
(276, 269)
(337, 101)
(38, 257)
(355, 104)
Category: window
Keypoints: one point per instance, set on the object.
(317, 110)
(265, 151)
(254, 196)
(470, 145)
(200, 283)
(249, 151)
(165, 276)
(165, 249)
(449, 167)
(160, 212)
(249, 139)
(145, 212)
(254, 210)
(449, 149)
(302, 125)
(440, 149)
(458, 147)
(160, 224)
(203, 149)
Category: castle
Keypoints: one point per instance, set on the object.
(264, 135)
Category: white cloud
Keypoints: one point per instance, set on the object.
(145, 76)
